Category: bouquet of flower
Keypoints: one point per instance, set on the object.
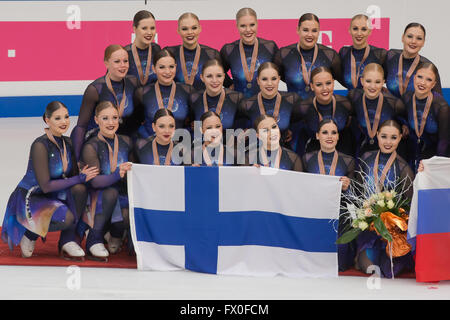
(383, 212)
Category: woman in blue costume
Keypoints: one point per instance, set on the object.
(268, 151)
(225, 102)
(325, 105)
(212, 151)
(298, 60)
(384, 170)
(108, 193)
(401, 65)
(428, 118)
(141, 51)
(272, 102)
(159, 148)
(373, 105)
(244, 56)
(52, 195)
(115, 87)
(191, 56)
(356, 57)
(329, 161)
(164, 93)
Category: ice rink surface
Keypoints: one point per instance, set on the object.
(61, 283)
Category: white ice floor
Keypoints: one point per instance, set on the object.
(106, 284)
(16, 136)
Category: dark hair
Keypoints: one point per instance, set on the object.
(161, 54)
(102, 105)
(326, 121)
(308, 17)
(318, 70)
(141, 15)
(268, 65)
(390, 123)
(415, 25)
(162, 113)
(428, 65)
(212, 62)
(52, 107)
(260, 118)
(209, 114)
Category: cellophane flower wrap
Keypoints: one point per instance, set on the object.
(366, 207)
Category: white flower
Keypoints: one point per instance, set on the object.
(390, 204)
(381, 203)
(355, 223)
(381, 196)
(366, 204)
(360, 213)
(368, 212)
(363, 225)
(388, 195)
(352, 210)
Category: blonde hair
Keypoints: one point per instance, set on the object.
(373, 67)
(188, 15)
(111, 49)
(245, 12)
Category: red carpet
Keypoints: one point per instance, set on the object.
(46, 254)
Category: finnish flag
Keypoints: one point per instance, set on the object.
(234, 220)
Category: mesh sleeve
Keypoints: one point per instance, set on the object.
(443, 115)
(39, 155)
(87, 110)
(89, 156)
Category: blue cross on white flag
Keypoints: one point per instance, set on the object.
(234, 220)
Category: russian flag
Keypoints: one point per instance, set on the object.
(234, 220)
(429, 222)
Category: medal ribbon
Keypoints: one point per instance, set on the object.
(171, 96)
(120, 105)
(304, 70)
(189, 79)
(207, 159)
(143, 76)
(320, 115)
(63, 153)
(387, 167)
(354, 74)
(403, 85)
(156, 154)
(372, 130)
(248, 73)
(263, 153)
(333, 163)
(219, 104)
(426, 111)
(113, 153)
(276, 109)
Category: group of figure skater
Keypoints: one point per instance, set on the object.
(393, 117)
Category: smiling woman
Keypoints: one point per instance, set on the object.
(140, 52)
(401, 65)
(244, 56)
(190, 56)
(384, 169)
(51, 196)
(356, 57)
(298, 60)
(164, 93)
(115, 87)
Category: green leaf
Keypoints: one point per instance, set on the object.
(381, 228)
(348, 236)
